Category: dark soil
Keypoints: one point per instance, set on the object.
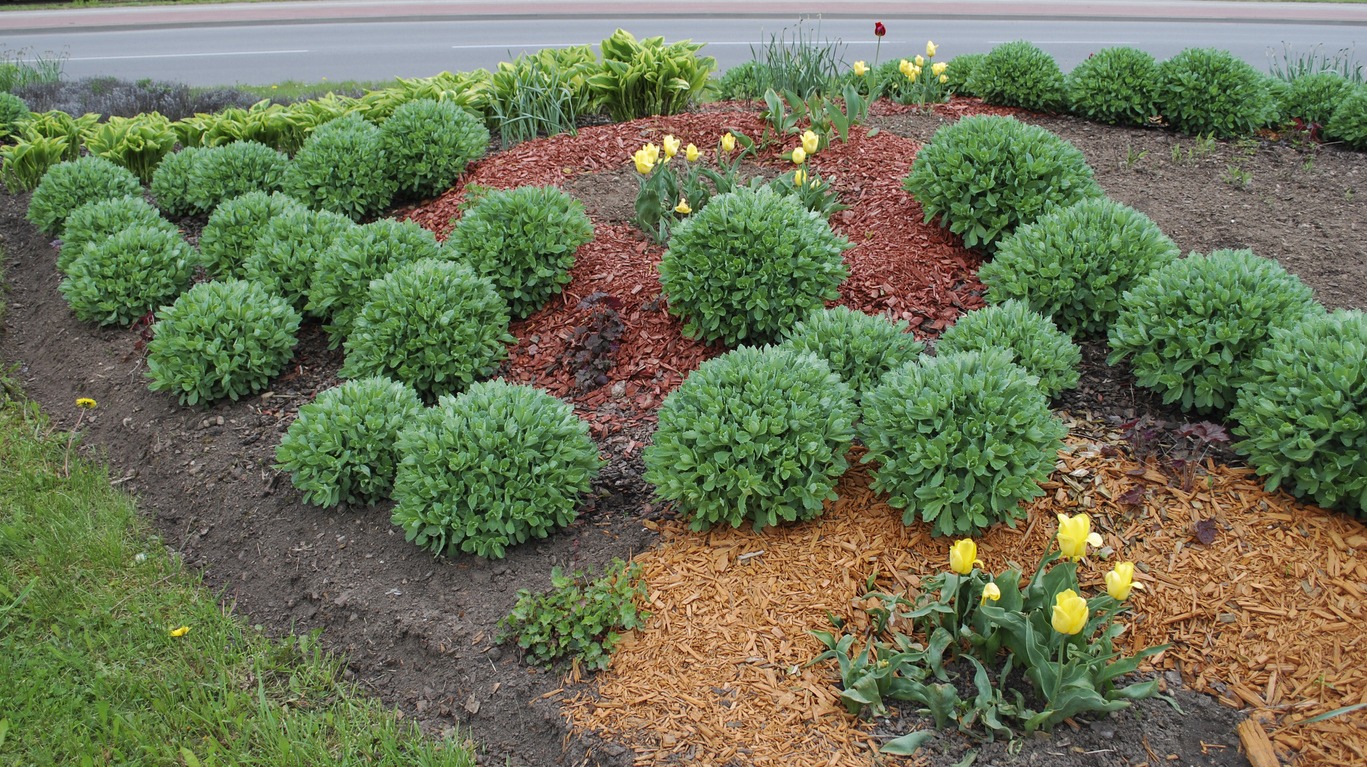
(417, 631)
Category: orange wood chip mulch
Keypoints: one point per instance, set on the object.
(1269, 616)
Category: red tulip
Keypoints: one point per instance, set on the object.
(878, 29)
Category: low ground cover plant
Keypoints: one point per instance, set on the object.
(577, 618)
(859, 348)
(123, 277)
(95, 221)
(428, 144)
(1019, 74)
(1115, 85)
(68, 185)
(236, 225)
(1033, 340)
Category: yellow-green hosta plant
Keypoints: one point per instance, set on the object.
(136, 143)
(27, 160)
(649, 77)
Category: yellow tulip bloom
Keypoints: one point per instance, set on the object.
(904, 67)
(911, 75)
(931, 48)
(800, 177)
(799, 155)
(991, 591)
(944, 78)
(1070, 613)
(691, 153)
(728, 143)
(671, 146)
(939, 68)
(860, 69)
(920, 62)
(963, 556)
(1075, 534)
(1120, 580)
(645, 159)
(810, 142)
(682, 208)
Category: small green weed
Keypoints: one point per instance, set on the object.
(577, 618)
(1134, 156)
(1236, 176)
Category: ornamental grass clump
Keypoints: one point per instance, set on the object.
(1303, 410)
(749, 266)
(342, 168)
(1073, 263)
(1312, 98)
(341, 448)
(223, 172)
(171, 182)
(1192, 328)
(983, 176)
(494, 467)
(1034, 341)
(960, 440)
(434, 325)
(128, 274)
(221, 339)
(285, 254)
(343, 271)
(1115, 85)
(68, 185)
(858, 347)
(93, 222)
(1211, 92)
(428, 144)
(1349, 121)
(1019, 74)
(234, 228)
(523, 240)
(757, 434)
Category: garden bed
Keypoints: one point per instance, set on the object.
(418, 631)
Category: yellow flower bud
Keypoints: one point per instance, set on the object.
(944, 78)
(800, 177)
(1075, 534)
(931, 48)
(799, 155)
(671, 146)
(691, 153)
(1070, 613)
(810, 142)
(963, 555)
(991, 591)
(1120, 580)
(682, 208)
(920, 62)
(912, 74)
(860, 69)
(904, 67)
(645, 159)
(728, 143)
(939, 68)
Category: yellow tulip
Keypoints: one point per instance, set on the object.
(799, 155)
(939, 68)
(691, 153)
(904, 67)
(810, 142)
(671, 146)
(920, 62)
(911, 75)
(992, 592)
(1120, 580)
(1075, 534)
(963, 555)
(728, 143)
(800, 177)
(931, 48)
(682, 208)
(944, 78)
(1070, 613)
(860, 69)
(180, 632)
(645, 160)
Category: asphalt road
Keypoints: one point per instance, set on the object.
(267, 42)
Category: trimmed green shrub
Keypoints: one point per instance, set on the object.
(127, 275)
(1303, 412)
(960, 440)
(577, 621)
(13, 111)
(93, 222)
(284, 256)
(68, 185)
(523, 240)
(750, 265)
(341, 447)
(1349, 121)
(1192, 327)
(756, 434)
(435, 325)
(1314, 97)
(1034, 341)
(491, 468)
(223, 172)
(427, 145)
(1207, 91)
(1074, 263)
(221, 339)
(858, 347)
(234, 228)
(983, 176)
(1115, 85)
(1018, 74)
(960, 73)
(343, 271)
(172, 180)
(342, 168)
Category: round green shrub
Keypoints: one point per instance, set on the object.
(1033, 340)
(1192, 327)
(758, 434)
(750, 265)
(1314, 97)
(341, 448)
(223, 172)
(68, 185)
(435, 325)
(342, 168)
(95, 221)
(172, 182)
(221, 339)
(983, 176)
(284, 256)
(960, 439)
(342, 273)
(1349, 121)
(427, 145)
(523, 240)
(1074, 263)
(128, 274)
(1115, 85)
(1303, 412)
(1018, 74)
(13, 111)
(858, 347)
(960, 73)
(493, 467)
(234, 228)
(1207, 91)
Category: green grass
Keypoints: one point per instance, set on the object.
(90, 672)
(294, 90)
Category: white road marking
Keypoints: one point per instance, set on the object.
(179, 55)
